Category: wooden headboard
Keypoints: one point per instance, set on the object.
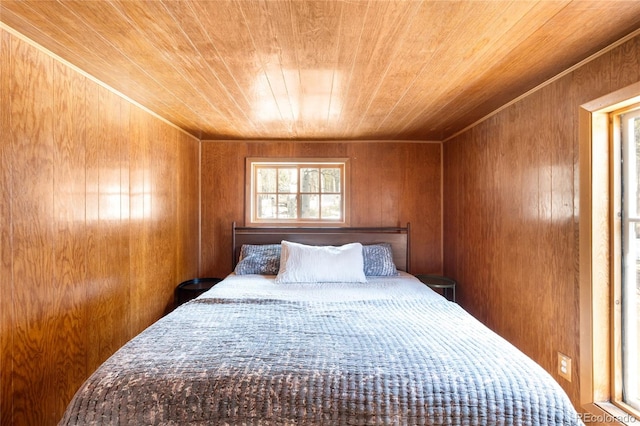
(398, 237)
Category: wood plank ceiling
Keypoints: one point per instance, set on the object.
(322, 70)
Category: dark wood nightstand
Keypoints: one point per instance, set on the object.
(444, 285)
(191, 289)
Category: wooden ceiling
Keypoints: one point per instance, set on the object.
(322, 70)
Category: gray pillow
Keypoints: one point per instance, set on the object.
(378, 260)
(263, 259)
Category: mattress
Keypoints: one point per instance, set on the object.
(389, 351)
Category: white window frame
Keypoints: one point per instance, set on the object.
(253, 163)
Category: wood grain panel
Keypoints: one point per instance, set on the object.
(6, 279)
(161, 44)
(390, 184)
(188, 207)
(629, 71)
(33, 20)
(72, 157)
(33, 242)
(222, 177)
(203, 36)
(140, 222)
(464, 17)
(276, 83)
(323, 70)
(109, 315)
(523, 35)
(509, 183)
(209, 32)
(94, 280)
(70, 243)
(511, 219)
(163, 212)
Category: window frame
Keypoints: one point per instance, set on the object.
(621, 220)
(598, 253)
(253, 163)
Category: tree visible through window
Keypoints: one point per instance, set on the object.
(293, 191)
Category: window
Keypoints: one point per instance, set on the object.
(297, 191)
(626, 359)
(609, 158)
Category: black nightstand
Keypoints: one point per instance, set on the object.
(447, 286)
(193, 288)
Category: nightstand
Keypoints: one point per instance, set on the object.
(444, 285)
(191, 289)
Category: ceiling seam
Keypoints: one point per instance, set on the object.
(553, 79)
(85, 74)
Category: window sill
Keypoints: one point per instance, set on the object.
(606, 413)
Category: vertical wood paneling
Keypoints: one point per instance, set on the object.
(6, 280)
(110, 298)
(516, 273)
(189, 190)
(390, 184)
(163, 210)
(108, 188)
(451, 221)
(140, 203)
(32, 202)
(222, 168)
(420, 186)
(94, 281)
(124, 230)
(510, 222)
(69, 232)
(91, 201)
(625, 64)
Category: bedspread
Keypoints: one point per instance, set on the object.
(353, 362)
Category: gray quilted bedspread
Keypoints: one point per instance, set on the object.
(275, 362)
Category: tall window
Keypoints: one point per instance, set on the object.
(295, 191)
(626, 298)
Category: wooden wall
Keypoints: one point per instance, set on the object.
(391, 184)
(99, 217)
(98, 220)
(511, 212)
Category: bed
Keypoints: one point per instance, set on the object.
(283, 342)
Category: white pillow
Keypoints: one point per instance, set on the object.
(300, 263)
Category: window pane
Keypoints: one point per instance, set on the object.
(630, 319)
(331, 180)
(630, 295)
(266, 180)
(288, 180)
(331, 208)
(309, 179)
(287, 206)
(631, 189)
(266, 208)
(631, 258)
(310, 206)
